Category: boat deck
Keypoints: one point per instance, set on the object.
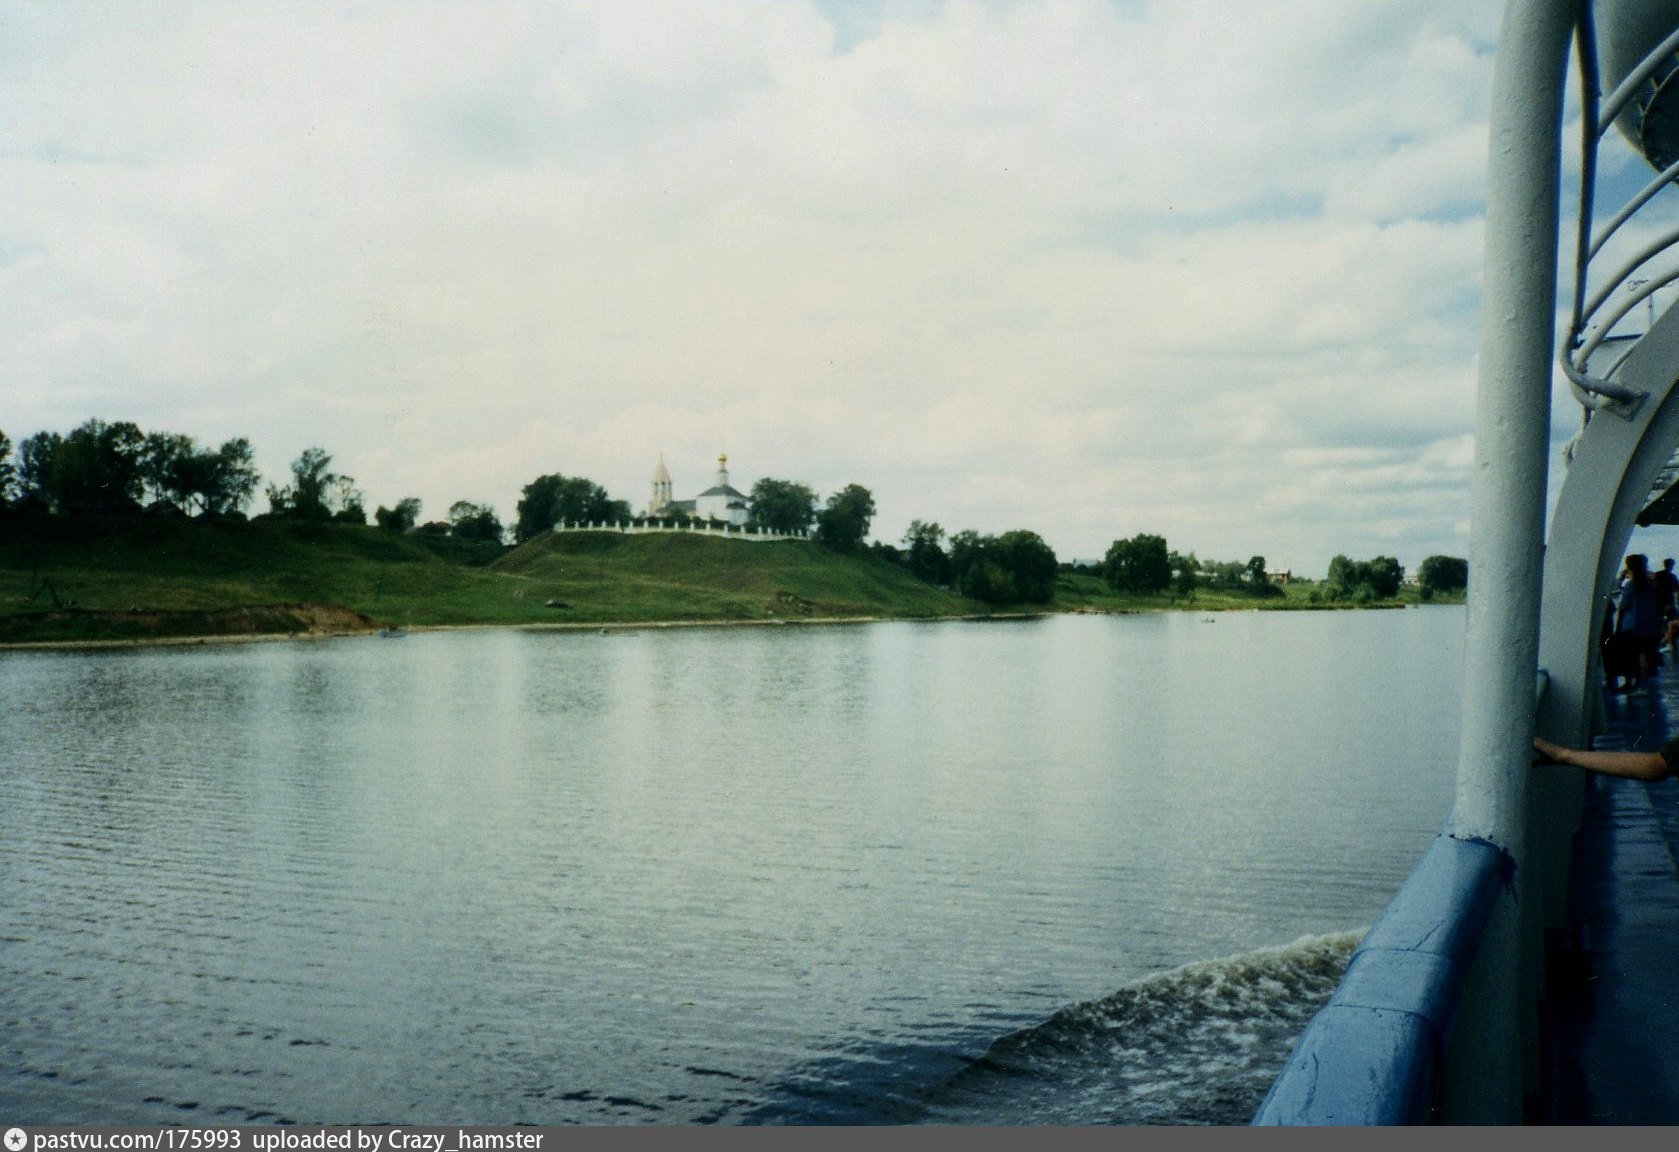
(1615, 1010)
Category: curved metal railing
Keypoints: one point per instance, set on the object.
(1607, 291)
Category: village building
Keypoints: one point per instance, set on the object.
(721, 501)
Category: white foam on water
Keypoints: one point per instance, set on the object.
(1199, 1044)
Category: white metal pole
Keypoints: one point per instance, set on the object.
(1512, 434)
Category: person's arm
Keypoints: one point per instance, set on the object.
(1635, 765)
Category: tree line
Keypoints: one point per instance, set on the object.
(117, 467)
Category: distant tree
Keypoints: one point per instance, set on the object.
(1386, 574)
(1014, 568)
(925, 554)
(8, 473)
(96, 468)
(1186, 574)
(554, 499)
(348, 501)
(402, 518)
(164, 471)
(1232, 577)
(36, 456)
(1224, 575)
(1364, 580)
(890, 553)
(1443, 574)
(313, 484)
(229, 478)
(1141, 564)
(844, 520)
(1342, 578)
(1031, 563)
(783, 505)
(211, 482)
(469, 521)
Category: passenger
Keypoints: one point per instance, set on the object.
(1667, 588)
(1650, 766)
(1639, 627)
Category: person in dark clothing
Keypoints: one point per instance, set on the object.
(1667, 589)
(1639, 624)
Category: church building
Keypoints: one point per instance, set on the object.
(719, 502)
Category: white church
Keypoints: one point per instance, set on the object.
(721, 501)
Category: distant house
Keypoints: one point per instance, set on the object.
(719, 502)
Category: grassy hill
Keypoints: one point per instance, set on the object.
(65, 578)
(130, 578)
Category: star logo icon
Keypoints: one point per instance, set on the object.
(16, 1138)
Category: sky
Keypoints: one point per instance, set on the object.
(1207, 269)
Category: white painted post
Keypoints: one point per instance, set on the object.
(1485, 1079)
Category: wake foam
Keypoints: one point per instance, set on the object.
(1199, 1044)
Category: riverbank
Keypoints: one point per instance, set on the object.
(136, 580)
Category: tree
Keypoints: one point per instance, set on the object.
(1256, 572)
(306, 497)
(1443, 574)
(35, 468)
(1016, 567)
(8, 474)
(469, 521)
(1386, 574)
(1139, 565)
(348, 500)
(402, 518)
(1186, 573)
(1030, 562)
(925, 554)
(1364, 580)
(317, 492)
(213, 482)
(96, 468)
(553, 499)
(844, 521)
(783, 505)
(163, 468)
(229, 478)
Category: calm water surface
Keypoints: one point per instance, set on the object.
(1070, 870)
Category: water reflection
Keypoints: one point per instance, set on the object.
(663, 874)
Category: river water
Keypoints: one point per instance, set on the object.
(1071, 870)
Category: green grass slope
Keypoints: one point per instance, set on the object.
(682, 576)
(65, 578)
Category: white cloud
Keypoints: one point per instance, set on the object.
(1084, 267)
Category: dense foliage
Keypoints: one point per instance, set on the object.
(1439, 574)
(317, 492)
(109, 468)
(1364, 580)
(924, 553)
(843, 523)
(1015, 568)
(783, 506)
(402, 518)
(555, 499)
(1141, 564)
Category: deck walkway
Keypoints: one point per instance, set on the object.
(1616, 1025)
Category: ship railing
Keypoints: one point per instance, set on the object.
(1376, 1053)
(1614, 273)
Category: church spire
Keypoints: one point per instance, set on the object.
(661, 488)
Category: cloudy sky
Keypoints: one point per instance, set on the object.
(1204, 268)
